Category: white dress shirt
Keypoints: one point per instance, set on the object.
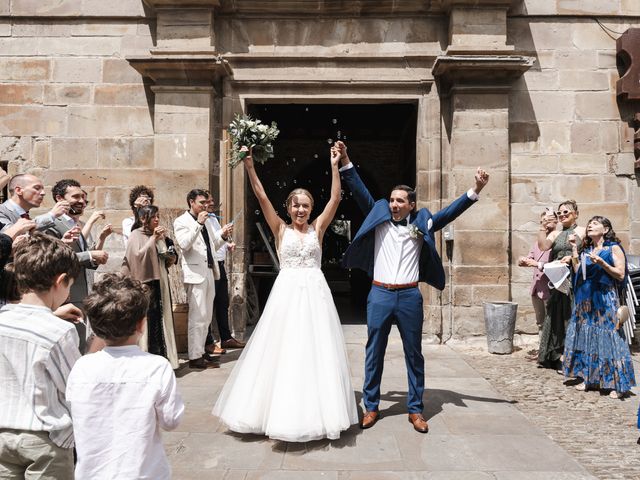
(221, 254)
(120, 397)
(37, 351)
(396, 255)
(127, 224)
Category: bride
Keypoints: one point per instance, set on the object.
(292, 380)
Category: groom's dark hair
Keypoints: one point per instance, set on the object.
(411, 193)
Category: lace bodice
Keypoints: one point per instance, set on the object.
(299, 252)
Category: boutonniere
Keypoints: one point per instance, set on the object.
(414, 231)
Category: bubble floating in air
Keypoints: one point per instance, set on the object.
(295, 182)
(306, 109)
(334, 120)
(342, 216)
(293, 159)
(257, 212)
(339, 134)
(329, 141)
(315, 155)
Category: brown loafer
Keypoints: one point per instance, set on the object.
(198, 364)
(418, 422)
(232, 343)
(214, 350)
(369, 419)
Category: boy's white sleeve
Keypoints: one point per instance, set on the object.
(170, 407)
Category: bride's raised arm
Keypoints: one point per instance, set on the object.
(326, 217)
(274, 221)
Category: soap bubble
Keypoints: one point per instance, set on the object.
(329, 141)
(257, 212)
(295, 182)
(293, 159)
(339, 134)
(334, 120)
(315, 155)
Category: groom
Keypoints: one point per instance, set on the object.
(396, 247)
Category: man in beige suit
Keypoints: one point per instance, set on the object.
(199, 242)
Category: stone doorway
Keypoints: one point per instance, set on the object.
(382, 143)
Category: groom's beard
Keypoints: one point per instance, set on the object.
(76, 209)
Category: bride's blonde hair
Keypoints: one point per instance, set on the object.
(298, 191)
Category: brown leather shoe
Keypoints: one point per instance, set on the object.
(419, 423)
(214, 350)
(198, 364)
(232, 343)
(369, 419)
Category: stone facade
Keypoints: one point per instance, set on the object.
(126, 92)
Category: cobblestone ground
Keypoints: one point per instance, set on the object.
(598, 431)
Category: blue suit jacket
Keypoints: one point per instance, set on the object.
(360, 253)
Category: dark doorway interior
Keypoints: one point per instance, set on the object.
(381, 143)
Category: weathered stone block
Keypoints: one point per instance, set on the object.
(41, 156)
(531, 189)
(593, 137)
(5, 28)
(468, 321)
(108, 121)
(20, 94)
(577, 80)
(45, 7)
(462, 295)
(486, 212)
(188, 152)
(76, 70)
(126, 95)
(583, 163)
(67, 46)
(32, 120)
(630, 7)
(550, 35)
(115, 70)
(16, 150)
(589, 7)
(480, 275)
(616, 189)
(544, 106)
(480, 120)
(66, 94)
(470, 247)
(487, 148)
(621, 163)
(555, 137)
(540, 80)
(125, 152)
(112, 198)
(597, 106)
(190, 29)
(589, 35)
(183, 101)
(573, 59)
(5, 7)
(77, 153)
(464, 179)
(582, 188)
(490, 293)
(122, 8)
(24, 69)
(168, 123)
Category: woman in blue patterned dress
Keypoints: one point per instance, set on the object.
(595, 347)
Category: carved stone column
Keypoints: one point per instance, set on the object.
(474, 78)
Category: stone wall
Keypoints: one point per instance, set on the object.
(72, 105)
(569, 137)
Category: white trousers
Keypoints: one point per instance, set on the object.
(200, 296)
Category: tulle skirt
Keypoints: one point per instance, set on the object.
(292, 380)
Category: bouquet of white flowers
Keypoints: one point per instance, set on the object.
(250, 133)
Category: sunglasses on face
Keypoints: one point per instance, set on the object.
(563, 212)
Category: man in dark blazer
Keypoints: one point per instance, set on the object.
(396, 246)
(70, 191)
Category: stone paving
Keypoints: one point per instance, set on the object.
(475, 433)
(598, 431)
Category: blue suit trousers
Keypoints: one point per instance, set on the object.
(383, 306)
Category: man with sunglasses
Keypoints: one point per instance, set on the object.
(559, 304)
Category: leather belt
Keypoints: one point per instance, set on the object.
(391, 286)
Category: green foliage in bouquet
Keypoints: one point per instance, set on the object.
(250, 133)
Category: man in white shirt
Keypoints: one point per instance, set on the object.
(396, 246)
(198, 241)
(26, 192)
(121, 397)
(37, 352)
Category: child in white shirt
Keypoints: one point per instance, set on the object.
(120, 397)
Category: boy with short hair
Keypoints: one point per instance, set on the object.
(120, 397)
(37, 351)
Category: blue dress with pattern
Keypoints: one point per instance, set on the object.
(593, 349)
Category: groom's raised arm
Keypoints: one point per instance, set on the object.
(349, 174)
(453, 211)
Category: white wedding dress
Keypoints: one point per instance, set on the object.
(292, 380)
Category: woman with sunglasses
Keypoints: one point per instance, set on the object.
(559, 303)
(595, 347)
